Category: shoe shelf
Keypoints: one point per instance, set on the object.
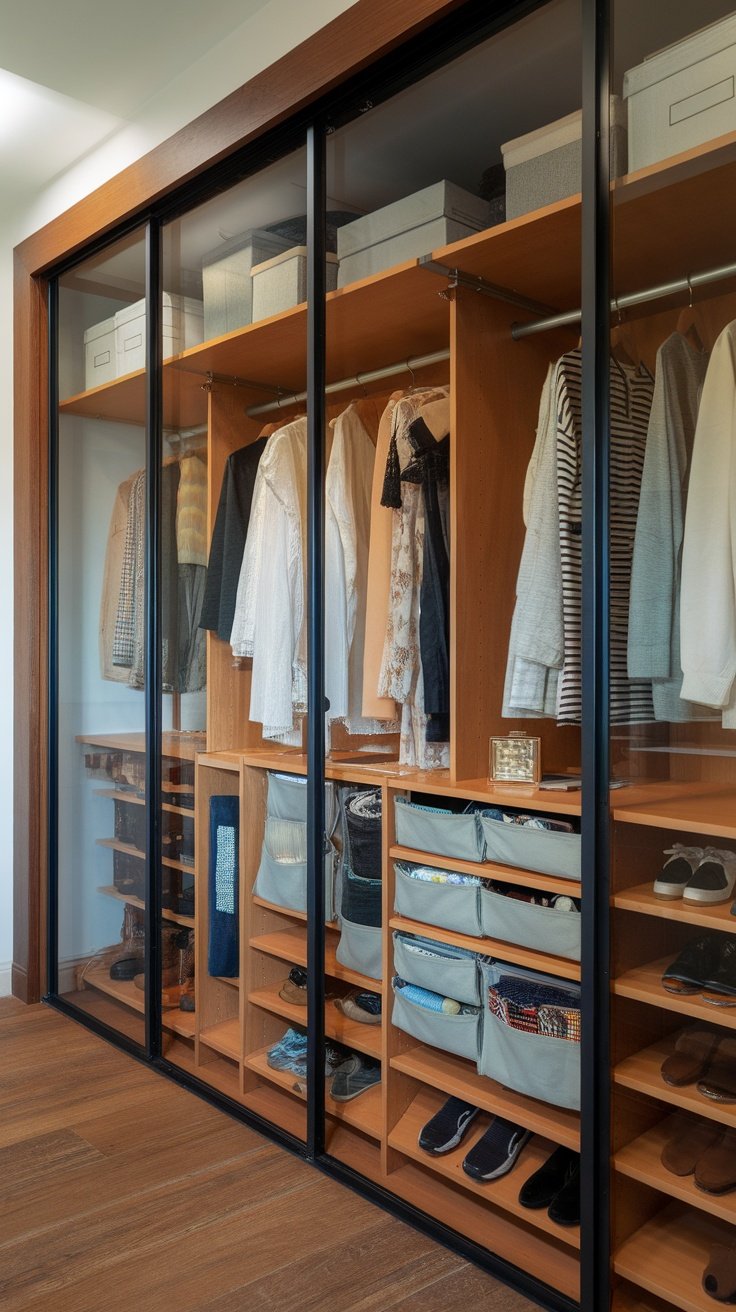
(276, 1107)
(123, 990)
(233, 981)
(561, 966)
(130, 850)
(504, 1192)
(644, 984)
(132, 800)
(489, 870)
(642, 900)
(109, 890)
(642, 1073)
(282, 911)
(224, 1037)
(180, 1022)
(457, 1078)
(290, 945)
(690, 808)
(364, 1113)
(626, 1298)
(668, 1255)
(353, 1034)
(641, 1160)
(181, 746)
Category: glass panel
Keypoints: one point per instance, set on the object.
(101, 636)
(435, 488)
(234, 764)
(673, 644)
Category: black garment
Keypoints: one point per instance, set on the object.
(430, 466)
(228, 539)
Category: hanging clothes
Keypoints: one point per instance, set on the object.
(111, 580)
(654, 613)
(228, 539)
(169, 583)
(379, 576)
(124, 636)
(269, 621)
(708, 595)
(191, 551)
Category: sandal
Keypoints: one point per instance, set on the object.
(690, 1143)
(693, 1054)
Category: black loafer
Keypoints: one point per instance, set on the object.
(723, 978)
(126, 967)
(543, 1186)
(565, 1206)
(698, 961)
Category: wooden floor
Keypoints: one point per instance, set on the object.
(119, 1190)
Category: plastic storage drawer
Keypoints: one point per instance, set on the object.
(458, 1034)
(439, 967)
(450, 906)
(541, 928)
(548, 851)
(442, 833)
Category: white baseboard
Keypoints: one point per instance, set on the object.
(6, 971)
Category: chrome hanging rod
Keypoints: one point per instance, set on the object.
(660, 292)
(477, 284)
(417, 362)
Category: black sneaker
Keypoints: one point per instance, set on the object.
(448, 1126)
(496, 1151)
(545, 1184)
(565, 1206)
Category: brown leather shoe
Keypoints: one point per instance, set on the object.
(694, 1051)
(691, 1140)
(715, 1172)
(719, 1277)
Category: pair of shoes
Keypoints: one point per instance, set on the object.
(361, 1005)
(294, 989)
(491, 1156)
(556, 1186)
(719, 1277)
(290, 1054)
(705, 1057)
(706, 965)
(697, 874)
(704, 1150)
(354, 1076)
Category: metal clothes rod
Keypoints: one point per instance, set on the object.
(662, 290)
(359, 380)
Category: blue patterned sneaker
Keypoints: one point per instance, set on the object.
(289, 1054)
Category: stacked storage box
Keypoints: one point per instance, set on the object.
(545, 166)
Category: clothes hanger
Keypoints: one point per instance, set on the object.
(689, 322)
(623, 343)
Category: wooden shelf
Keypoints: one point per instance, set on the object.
(502, 1193)
(123, 400)
(689, 808)
(351, 1033)
(667, 1256)
(291, 945)
(628, 1299)
(561, 966)
(224, 1038)
(282, 911)
(130, 850)
(122, 990)
(119, 796)
(278, 1108)
(489, 870)
(479, 790)
(642, 899)
(365, 1112)
(642, 1073)
(180, 1022)
(179, 746)
(458, 1078)
(644, 984)
(109, 890)
(641, 1160)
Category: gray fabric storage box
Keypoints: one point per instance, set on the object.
(682, 96)
(547, 851)
(534, 1064)
(541, 928)
(283, 882)
(360, 948)
(438, 967)
(287, 797)
(439, 832)
(407, 229)
(451, 906)
(281, 282)
(545, 166)
(458, 1034)
(227, 284)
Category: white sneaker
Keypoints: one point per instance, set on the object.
(678, 871)
(714, 879)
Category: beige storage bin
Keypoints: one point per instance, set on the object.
(281, 282)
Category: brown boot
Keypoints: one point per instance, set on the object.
(127, 960)
(173, 993)
(170, 936)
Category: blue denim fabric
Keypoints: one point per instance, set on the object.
(223, 956)
(361, 900)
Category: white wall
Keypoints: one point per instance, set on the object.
(270, 33)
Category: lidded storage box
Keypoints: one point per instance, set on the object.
(683, 95)
(99, 353)
(182, 327)
(545, 166)
(408, 229)
(281, 282)
(227, 282)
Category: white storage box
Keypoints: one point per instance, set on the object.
(227, 284)
(407, 229)
(281, 282)
(99, 353)
(683, 95)
(545, 166)
(182, 327)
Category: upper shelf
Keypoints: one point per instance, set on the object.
(670, 220)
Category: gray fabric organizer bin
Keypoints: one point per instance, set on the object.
(442, 833)
(450, 906)
(287, 797)
(529, 926)
(360, 948)
(284, 883)
(534, 1064)
(547, 851)
(458, 1034)
(227, 284)
(454, 976)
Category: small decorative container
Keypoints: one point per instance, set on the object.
(515, 759)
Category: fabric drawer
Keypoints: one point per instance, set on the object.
(438, 967)
(450, 906)
(458, 1034)
(287, 797)
(282, 873)
(541, 928)
(544, 850)
(443, 833)
(360, 948)
(534, 1064)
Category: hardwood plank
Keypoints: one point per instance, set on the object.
(11, 1007)
(44, 1155)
